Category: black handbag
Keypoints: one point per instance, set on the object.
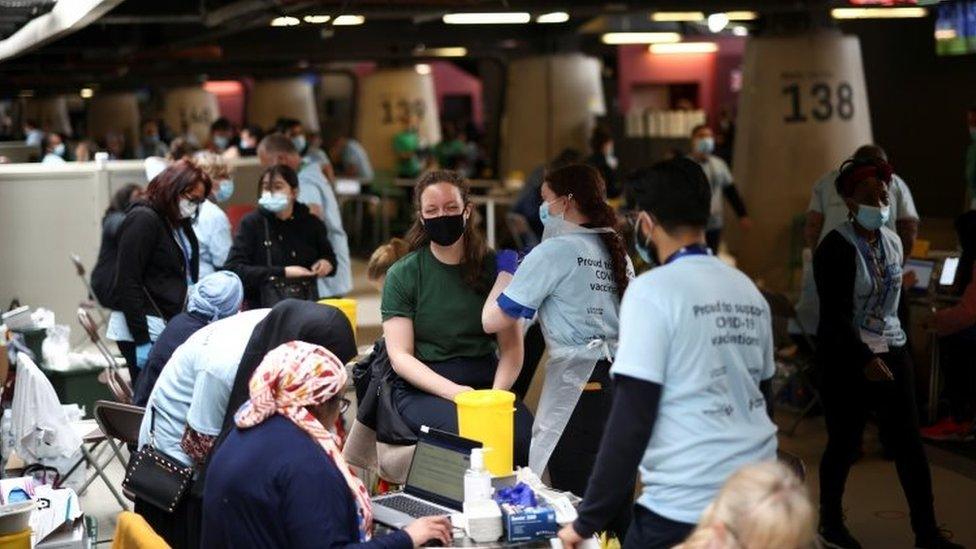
(277, 289)
(375, 379)
(155, 477)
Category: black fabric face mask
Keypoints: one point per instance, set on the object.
(445, 230)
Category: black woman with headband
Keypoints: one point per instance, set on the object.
(862, 350)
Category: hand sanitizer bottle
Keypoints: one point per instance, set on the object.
(477, 481)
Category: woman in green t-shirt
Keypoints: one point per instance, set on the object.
(432, 302)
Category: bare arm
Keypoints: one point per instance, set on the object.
(398, 332)
(510, 357)
(493, 319)
(907, 232)
(811, 232)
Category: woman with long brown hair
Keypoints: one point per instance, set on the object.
(432, 301)
(158, 260)
(574, 280)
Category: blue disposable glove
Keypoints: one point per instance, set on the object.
(142, 354)
(507, 261)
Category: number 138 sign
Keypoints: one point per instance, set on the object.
(819, 101)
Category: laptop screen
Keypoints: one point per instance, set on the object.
(949, 268)
(437, 472)
(923, 271)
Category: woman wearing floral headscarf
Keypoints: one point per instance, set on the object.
(279, 479)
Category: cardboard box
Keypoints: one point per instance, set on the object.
(529, 523)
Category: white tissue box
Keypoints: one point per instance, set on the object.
(483, 520)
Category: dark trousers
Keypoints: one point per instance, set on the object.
(713, 239)
(572, 461)
(419, 408)
(649, 530)
(957, 353)
(128, 350)
(535, 346)
(182, 528)
(847, 396)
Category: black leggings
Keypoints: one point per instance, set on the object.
(419, 408)
(847, 397)
(128, 350)
(571, 463)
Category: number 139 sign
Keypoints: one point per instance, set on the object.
(818, 100)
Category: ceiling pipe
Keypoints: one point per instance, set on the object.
(64, 18)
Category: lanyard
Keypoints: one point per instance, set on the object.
(185, 248)
(878, 267)
(694, 249)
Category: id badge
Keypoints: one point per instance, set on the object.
(872, 334)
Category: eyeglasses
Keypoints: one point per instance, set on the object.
(344, 404)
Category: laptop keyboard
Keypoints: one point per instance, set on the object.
(412, 507)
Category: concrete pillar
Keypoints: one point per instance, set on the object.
(190, 110)
(387, 99)
(551, 103)
(50, 113)
(803, 109)
(270, 100)
(114, 112)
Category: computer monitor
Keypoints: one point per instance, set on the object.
(949, 268)
(923, 273)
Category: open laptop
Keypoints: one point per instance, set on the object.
(923, 269)
(435, 482)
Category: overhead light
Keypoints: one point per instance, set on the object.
(285, 21)
(684, 47)
(554, 17)
(717, 22)
(640, 37)
(678, 16)
(878, 13)
(945, 34)
(86, 93)
(742, 15)
(739, 30)
(422, 68)
(497, 18)
(317, 19)
(349, 20)
(454, 51)
(26, 93)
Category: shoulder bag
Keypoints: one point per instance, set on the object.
(155, 477)
(277, 289)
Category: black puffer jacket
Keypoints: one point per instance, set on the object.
(152, 269)
(299, 240)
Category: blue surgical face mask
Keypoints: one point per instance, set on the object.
(273, 202)
(872, 217)
(59, 150)
(705, 145)
(225, 188)
(221, 141)
(545, 216)
(299, 142)
(645, 248)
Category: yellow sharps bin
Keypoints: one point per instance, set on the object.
(488, 416)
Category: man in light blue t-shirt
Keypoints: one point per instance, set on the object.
(691, 376)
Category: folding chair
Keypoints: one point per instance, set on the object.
(783, 311)
(92, 439)
(91, 302)
(112, 376)
(119, 422)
